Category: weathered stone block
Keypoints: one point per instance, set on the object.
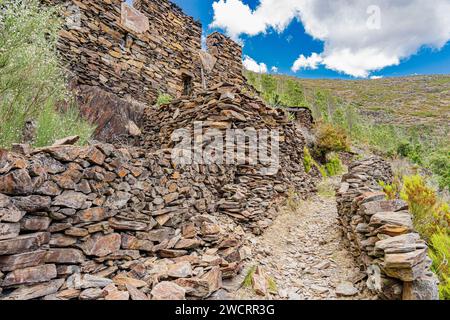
(101, 246)
(17, 182)
(33, 203)
(93, 215)
(71, 199)
(9, 230)
(168, 291)
(180, 270)
(424, 288)
(22, 260)
(64, 256)
(371, 208)
(134, 20)
(133, 243)
(24, 243)
(395, 219)
(62, 153)
(399, 244)
(119, 224)
(35, 223)
(30, 275)
(35, 291)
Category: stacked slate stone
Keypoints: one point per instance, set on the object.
(141, 51)
(228, 53)
(381, 235)
(99, 222)
(247, 192)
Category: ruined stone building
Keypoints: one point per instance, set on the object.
(144, 50)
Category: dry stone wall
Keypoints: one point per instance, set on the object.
(381, 235)
(100, 222)
(139, 52)
(228, 56)
(249, 189)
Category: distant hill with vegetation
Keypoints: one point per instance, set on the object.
(408, 100)
(407, 117)
(405, 100)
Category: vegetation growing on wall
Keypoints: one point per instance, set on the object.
(163, 98)
(32, 82)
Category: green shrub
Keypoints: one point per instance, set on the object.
(440, 254)
(404, 149)
(330, 138)
(31, 79)
(308, 160)
(309, 163)
(333, 167)
(429, 213)
(164, 98)
(56, 125)
(392, 190)
(440, 165)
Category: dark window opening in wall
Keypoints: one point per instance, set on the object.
(187, 85)
(122, 43)
(126, 42)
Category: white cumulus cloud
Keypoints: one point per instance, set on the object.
(274, 69)
(252, 65)
(360, 36)
(237, 18)
(312, 62)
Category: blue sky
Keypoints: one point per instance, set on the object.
(282, 48)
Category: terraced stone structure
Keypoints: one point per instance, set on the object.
(381, 235)
(248, 188)
(101, 222)
(141, 51)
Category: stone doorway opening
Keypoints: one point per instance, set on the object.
(187, 85)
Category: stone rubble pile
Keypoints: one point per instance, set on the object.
(381, 235)
(98, 222)
(247, 192)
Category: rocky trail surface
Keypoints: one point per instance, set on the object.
(304, 256)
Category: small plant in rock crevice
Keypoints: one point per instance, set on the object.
(248, 280)
(163, 98)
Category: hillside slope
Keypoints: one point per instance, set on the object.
(407, 117)
(407, 100)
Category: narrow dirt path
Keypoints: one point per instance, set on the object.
(304, 254)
